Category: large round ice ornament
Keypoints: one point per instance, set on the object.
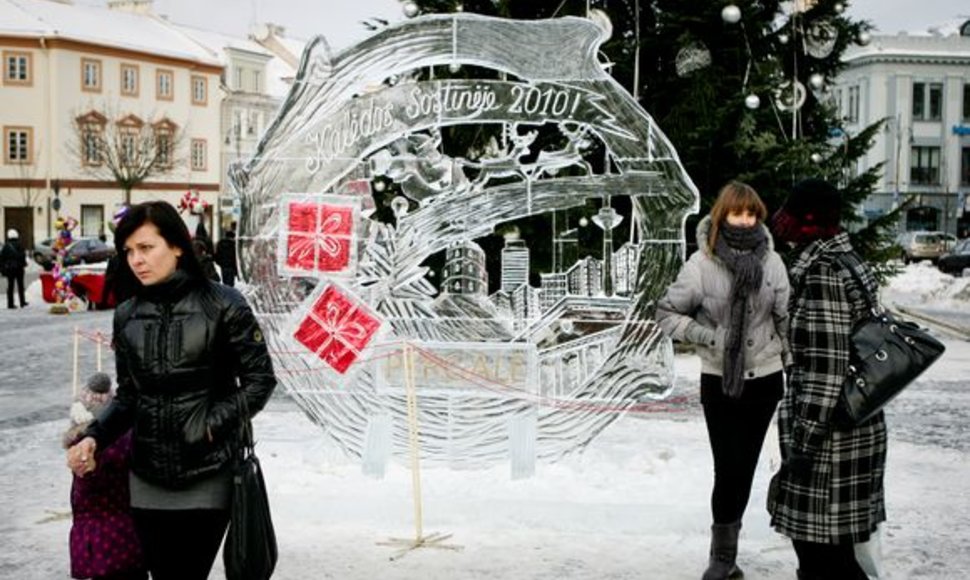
(410, 9)
(731, 14)
(864, 38)
(752, 101)
(816, 80)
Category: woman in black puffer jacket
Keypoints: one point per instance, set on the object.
(191, 362)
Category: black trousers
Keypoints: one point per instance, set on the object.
(228, 277)
(180, 544)
(17, 278)
(828, 561)
(736, 429)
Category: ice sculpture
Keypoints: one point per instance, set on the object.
(501, 366)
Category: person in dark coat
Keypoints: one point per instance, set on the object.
(192, 368)
(731, 301)
(226, 258)
(13, 262)
(828, 495)
(103, 542)
(205, 259)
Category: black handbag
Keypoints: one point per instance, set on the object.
(887, 354)
(249, 552)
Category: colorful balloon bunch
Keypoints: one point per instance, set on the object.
(62, 276)
(193, 203)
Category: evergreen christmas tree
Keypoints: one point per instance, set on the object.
(741, 88)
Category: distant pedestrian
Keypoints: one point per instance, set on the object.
(103, 541)
(202, 235)
(226, 258)
(13, 262)
(205, 259)
(828, 496)
(731, 300)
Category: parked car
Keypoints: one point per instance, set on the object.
(81, 251)
(949, 241)
(43, 253)
(957, 260)
(920, 245)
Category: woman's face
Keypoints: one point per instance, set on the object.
(741, 218)
(150, 257)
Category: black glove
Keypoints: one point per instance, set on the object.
(222, 421)
(799, 467)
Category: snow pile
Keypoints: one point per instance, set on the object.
(922, 284)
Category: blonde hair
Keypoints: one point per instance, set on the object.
(734, 197)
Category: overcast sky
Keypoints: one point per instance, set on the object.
(339, 20)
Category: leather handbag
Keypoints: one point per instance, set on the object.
(250, 550)
(887, 354)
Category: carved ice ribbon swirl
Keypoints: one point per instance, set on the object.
(325, 240)
(344, 330)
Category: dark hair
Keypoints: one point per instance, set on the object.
(735, 196)
(170, 226)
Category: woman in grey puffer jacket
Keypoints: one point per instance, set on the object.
(730, 300)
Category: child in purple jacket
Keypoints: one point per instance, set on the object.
(104, 545)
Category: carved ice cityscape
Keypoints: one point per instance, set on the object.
(529, 369)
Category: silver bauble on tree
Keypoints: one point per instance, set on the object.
(864, 38)
(817, 81)
(820, 39)
(410, 9)
(816, 158)
(752, 101)
(731, 14)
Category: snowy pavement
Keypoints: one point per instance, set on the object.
(634, 504)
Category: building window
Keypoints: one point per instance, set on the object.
(90, 75)
(966, 102)
(129, 80)
(237, 81)
(256, 82)
(927, 101)
(92, 220)
(91, 128)
(198, 155)
(164, 81)
(165, 142)
(17, 142)
(853, 112)
(965, 166)
(91, 155)
(925, 166)
(17, 68)
(200, 90)
(129, 131)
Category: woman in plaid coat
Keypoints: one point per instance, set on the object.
(828, 495)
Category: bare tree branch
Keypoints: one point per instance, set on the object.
(127, 150)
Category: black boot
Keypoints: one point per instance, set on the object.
(724, 552)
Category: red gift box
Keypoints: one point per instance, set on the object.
(319, 236)
(337, 328)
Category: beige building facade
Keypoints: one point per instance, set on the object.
(120, 71)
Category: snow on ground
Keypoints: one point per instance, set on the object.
(633, 505)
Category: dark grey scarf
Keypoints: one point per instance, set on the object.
(742, 251)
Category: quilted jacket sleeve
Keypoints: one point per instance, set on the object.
(251, 361)
(118, 416)
(675, 310)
